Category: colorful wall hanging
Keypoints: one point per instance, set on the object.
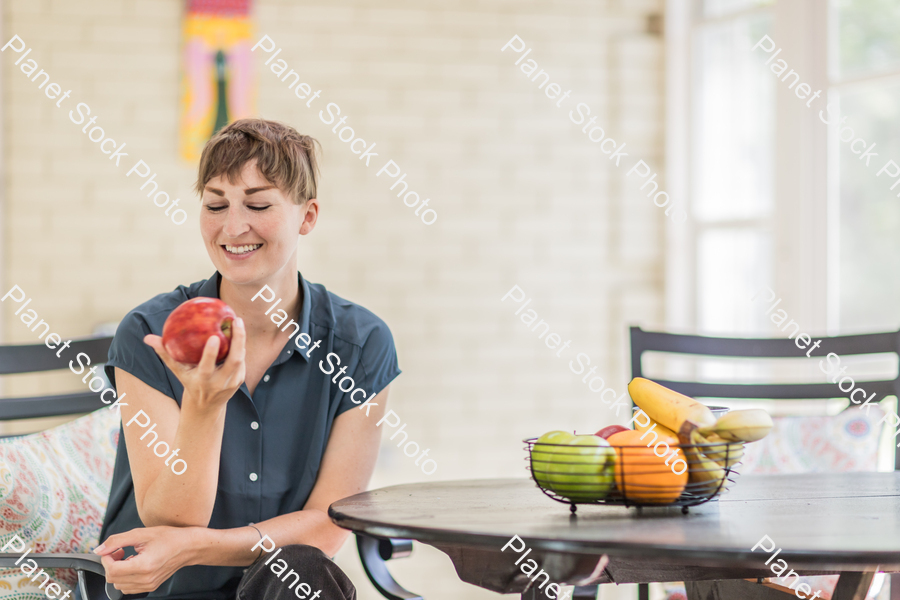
(218, 82)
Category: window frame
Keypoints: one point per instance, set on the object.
(804, 271)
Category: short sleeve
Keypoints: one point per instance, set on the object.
(129, 353)
(377, 365)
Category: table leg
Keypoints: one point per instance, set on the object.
(853, 586)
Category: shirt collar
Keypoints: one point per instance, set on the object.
(210, 289)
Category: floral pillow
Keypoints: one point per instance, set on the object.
(842, 443)
(54, 486)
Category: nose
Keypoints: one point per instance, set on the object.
(235, 222)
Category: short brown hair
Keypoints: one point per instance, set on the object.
(285, 158)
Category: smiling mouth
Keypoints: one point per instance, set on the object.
(238, 250)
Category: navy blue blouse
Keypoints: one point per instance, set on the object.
(274, 442)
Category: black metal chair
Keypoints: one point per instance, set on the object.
(847, 345)
(36, 358)
(373, 553)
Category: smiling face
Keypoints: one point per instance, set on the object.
(250, 227)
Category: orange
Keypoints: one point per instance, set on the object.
(641, 475)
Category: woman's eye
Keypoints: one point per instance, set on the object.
(259, 208)
(212, 208)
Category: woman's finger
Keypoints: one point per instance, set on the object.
(125, 539)
(124, 571)
(210, 353)
(233, 369)
(238, 343)
(111, 568)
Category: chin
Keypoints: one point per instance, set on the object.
(242, 274)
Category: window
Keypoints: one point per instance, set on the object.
(751, 162)
(865, 85)
(731, 175)
(776, 197)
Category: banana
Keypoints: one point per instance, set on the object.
(668, 407)
(661, 429)
(705, 476)
(727, 454)
(741, 425)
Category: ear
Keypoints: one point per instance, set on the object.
(310, 216)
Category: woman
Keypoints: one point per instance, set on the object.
(267, 438)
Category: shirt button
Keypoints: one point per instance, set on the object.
(266, 378)
(288, 351)
(253, 477)
(254, 425)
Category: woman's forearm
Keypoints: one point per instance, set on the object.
(234, 547)
(309, 526)
(187, 499)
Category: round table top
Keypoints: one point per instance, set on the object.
(848, 521)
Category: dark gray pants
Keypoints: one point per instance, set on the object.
(311, 567)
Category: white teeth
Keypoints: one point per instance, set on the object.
(242, 249)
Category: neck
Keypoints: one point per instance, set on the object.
(257, 322)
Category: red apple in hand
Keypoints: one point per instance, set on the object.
(608, 431)
(189, 326)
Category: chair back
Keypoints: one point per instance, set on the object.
(35, 358)
(72, 460)
(847, 345)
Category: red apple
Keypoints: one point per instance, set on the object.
(189, 326)
(608, 431)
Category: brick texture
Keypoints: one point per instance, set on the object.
(522, 196)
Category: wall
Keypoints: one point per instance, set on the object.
(523, 199)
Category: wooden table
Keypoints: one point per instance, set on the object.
(846, 523)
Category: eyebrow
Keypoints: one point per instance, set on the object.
(250, 191)
(247, 192)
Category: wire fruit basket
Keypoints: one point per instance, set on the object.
(633, 475)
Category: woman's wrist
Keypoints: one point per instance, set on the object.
(222, 547)
(194, 408)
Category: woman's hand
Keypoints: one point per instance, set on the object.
(160, 552)
(206, 386)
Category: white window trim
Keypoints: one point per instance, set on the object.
(805, 218)
(680, 268)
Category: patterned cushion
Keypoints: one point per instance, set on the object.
(54, 486)
(842, 443)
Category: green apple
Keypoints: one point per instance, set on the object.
(580, 467)
(542, 455)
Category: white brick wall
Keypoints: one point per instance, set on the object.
(523, 198)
